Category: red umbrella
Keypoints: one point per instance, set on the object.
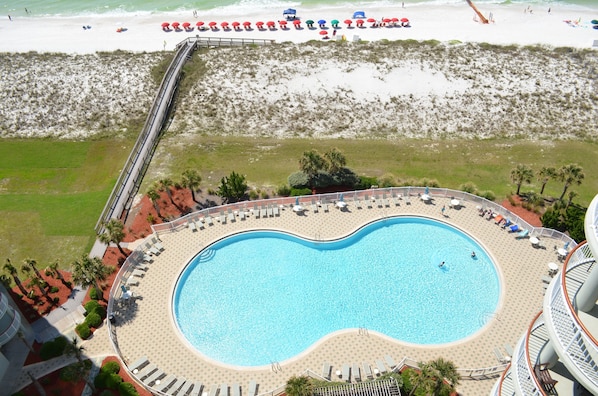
(165, 24)
(386, 20)
(282, 23)
(186, 24)
(394, 20)
(371, 20)
(270, 23)
(323, 32)
(235, 24)
(404, 20)
(359, 22)
(224, 24)
(175, 24)
(246, 23)
(199, 23)
(212, 24)
(297, 22)
(348, 22)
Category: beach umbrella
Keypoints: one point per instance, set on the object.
(394, 20)
(348, 22)
(594, 22)
(224, 24)
(297, 22)
(282, 23)
(236, 24)
(334, 22)
(323, 32)
(259, 24)
(321, 22)
(386, 20)
(212, 24)
(404, 20)
(199, 23)
(175, 24)
(165, 24)
(371, 20)
(309, 22)
(359, 22)
(246, 23)
(186, 24)
(270, 23)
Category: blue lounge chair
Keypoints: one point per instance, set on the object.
(514, 228)
(522, 234)
(506, 223)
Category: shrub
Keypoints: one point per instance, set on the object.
(265, 195)
(100, 380)
(298, 180)
(253, 195)
(489, 195)
(70, 373)
(100, 310)
(83, 330)
(127, 389)
(150, 219)
(94, 294)
(106, 392)
(56, 300)
(111, 368)
(366, 182)
(296, 192)
(91, 306)
(93, 319)
(387, 180)
(468, 187)
(54, 289)
(113, 381)
(283, 191)
(52, 349)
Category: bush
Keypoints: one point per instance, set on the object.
(70, 373)
(113, 381)
(100, 380)
(297, 192)
(489, 195)
(283, 191)
(93, 320)
(111, 368)
(83, 330)
(94, 294)
(106, 392)
(253, 195)
(468, 187)
(54, 289)
(90, 306)
(100, 310)
(298, 180)
(127, 389)
(52, 349)
(366, 182)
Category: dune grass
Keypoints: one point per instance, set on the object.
(51, 194)
(267, 162)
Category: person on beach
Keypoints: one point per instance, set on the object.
(10, 18)
(334, 32)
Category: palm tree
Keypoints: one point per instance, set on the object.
(447, 377)
(572, 194)
(422, 378)
(164, 185)
(12, 270)
(310, 164)
(191, 180)
(154, 196)
(39, 283)
(570, 174)
(24, 340)
(113, 233)
(336, 160)
(40, 389)
(73, 349)
(54, 269)
(33, 265)
(545, 175)
(89, 271)
(298, 386)
(519, 175)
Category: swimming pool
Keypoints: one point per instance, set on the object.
(264, 296)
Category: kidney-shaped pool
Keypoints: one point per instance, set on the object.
(264, 296)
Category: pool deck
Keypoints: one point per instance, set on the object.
(145, 327)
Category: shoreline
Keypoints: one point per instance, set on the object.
(446, 23)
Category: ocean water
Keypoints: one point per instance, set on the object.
(41, 8)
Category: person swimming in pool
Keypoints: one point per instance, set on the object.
(441, 265)
(472, 254)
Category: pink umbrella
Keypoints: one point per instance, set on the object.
(371, 20)
(386, 20)
(270, 24)
(175, 24)
(224, 24)
(259, 25)
(282, 24)
(404, 20)
(247, 24)
(212, 24)
(359, 22)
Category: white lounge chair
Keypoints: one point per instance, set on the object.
(200, 224)
(138, 364)
(156, 242)
(152, 249)
(367, 370)
(145, 371)
(214, 390)
(185, 388)
(368, 203)
(196, 391)
(314, 208)
(500, 357)
(132, 281)
(224, 390)
(222, 217)
(325, 205)
(390, 362)
(357, 203)
(252, 388)
(509, 349)
(346, 373)
(176, 386)
(209, 220)
(242, 214)
(192, 226)
(231, 216)
(275, 210)
(270, 211)
(326, 368)
(165, 383)
(138, 273)
(356, 372)
(263, 211)
(235, 390)
(156, 375)
(381, 367)
(256, 211)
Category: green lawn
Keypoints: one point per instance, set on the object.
(267, 162)
(51, 195)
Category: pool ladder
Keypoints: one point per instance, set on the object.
(275, 367)
(363, 331)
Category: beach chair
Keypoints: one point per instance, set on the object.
(242, 214)
(156, 242)
(196, 391)
(139, 363)
(138, 273)
(522, 234)
(407, 200)
(147, 258)
(396, 199)
(326, 369)
(367, 370)
(200, 224)
(231, 216)
(165, 383)
(235, 390)
(390, 362)
(356, 372)
(147, 370)
(346, 373)
(214, 390)
(263, 211)
(256, 211)
(270, 211)
(498, 219)
(325, 206)
(357, 203)
(368, 202)
(152, 249)
(153, 377)
(275, 210)
(209, 220)
(379, 202)
(506, 223)
(132, 281)
(176, 386)
(509, 349)
(314, 207)
(381, 367)
(185, 388)
(192, 226)
(222, 217)
(514, 228)
(252, 388)
(386, 201)
(500, 357)
(224, 390)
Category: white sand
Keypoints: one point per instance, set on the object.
(444, 23)
(312, 90)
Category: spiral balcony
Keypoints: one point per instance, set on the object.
(559, 352)
(10, 321)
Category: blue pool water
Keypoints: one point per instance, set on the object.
(259, 297)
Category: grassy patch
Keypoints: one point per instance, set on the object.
(267, 162)
(51, 195)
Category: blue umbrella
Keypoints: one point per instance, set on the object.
(297, 201)
(427, 190)
(321, 22)
(341, 197)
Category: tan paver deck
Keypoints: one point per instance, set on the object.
(146, 327)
